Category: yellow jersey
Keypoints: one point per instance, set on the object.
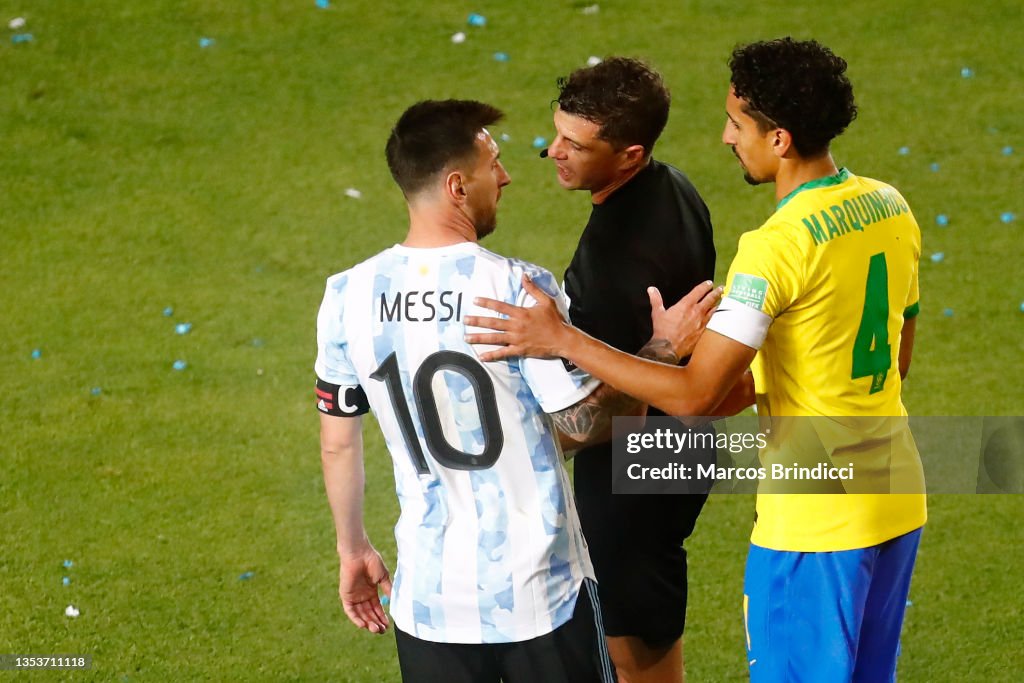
(835, 269)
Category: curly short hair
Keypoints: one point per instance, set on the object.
(800, 86)
(433, 134)
(624, 96)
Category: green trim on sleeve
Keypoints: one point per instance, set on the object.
(841, 177)
(912, 310)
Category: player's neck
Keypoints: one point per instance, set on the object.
(796, 171)
(431, 227)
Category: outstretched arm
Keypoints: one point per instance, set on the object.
(361, 570)
(696, 389)
(716, 365)
(589, 421)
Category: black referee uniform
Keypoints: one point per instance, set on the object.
(654, 230)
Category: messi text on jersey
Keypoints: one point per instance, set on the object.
(421, 306)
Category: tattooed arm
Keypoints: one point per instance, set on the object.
(589, 421)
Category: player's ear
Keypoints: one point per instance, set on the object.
(782, 142)
(455, 187)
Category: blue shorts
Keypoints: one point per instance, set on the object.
(829, 616)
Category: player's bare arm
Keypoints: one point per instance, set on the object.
(684, 323)
(718, 363)
(590, 420)
(540, 331)
(361, 570)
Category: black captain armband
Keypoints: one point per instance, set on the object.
(332, 399)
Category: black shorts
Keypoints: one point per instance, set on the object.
(636, 546)
(575, 652)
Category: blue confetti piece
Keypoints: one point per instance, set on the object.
(179, 365)
(942, 219)
(96, 391)
(246, 576)
(1007, 151)
(910, 603)
(37, 354)
(948, 312)
(323, 4)
(501, 56)
(540, 142)
(22, 38)
(938, 257)
(66, 581)
(206, 42)
(1022, 306)
(1008, 217)
(475, 19)
(68, 564)
(505, 137)
(904, 151)
(934, 167)
(169, 311)
(257, 342)
(966, 72)
(385, 600)
(183, 328)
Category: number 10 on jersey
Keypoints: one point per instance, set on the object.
(425, 404)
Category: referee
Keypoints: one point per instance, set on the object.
(648, 226)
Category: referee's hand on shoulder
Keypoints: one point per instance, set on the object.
(683, 323)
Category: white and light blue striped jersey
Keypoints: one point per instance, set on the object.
(489, 544)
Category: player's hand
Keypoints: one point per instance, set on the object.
(684, 323)
(359, 578)
(536, 331)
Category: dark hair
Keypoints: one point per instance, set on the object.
(624, 96)
(432, 134)
(797, 85)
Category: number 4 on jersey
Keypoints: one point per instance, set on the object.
(872, 355)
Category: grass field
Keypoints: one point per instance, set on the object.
(142, 171)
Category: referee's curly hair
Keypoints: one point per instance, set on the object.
(624, 96)
(800, 86)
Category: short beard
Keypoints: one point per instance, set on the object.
(485, 229)
(751, 180)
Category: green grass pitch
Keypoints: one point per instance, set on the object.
(141, 171)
